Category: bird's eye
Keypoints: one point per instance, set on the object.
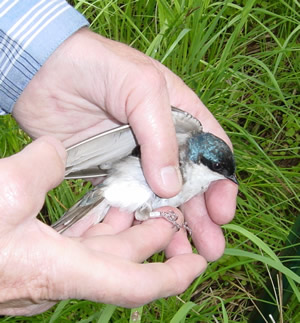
(217, 166)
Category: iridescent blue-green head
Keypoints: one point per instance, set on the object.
(211, 151)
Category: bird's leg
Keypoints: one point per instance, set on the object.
(187, 228)
(170, 216)
(145, 213)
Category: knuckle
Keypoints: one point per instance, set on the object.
(154, 76)
(50, 156)
(150, 76)
(14, 188)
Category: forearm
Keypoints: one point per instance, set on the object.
(30, 31)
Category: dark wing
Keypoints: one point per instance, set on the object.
(91, 157)
(185, 122)
(90, 200)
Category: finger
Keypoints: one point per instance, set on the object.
(115, 280)
(138, 242)
(209, 122)
(182, 97)
(221, 201)
(179, 245)
(84, 225)
(27, 176)
(207, 236)
(221, 196)
(149, 114)
(114, 222)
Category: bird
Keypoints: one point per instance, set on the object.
(115, 155)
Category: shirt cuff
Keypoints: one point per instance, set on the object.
(30, 31)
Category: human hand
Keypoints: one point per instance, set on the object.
(90, 84)
(39, 267)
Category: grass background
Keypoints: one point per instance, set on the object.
(242, 59)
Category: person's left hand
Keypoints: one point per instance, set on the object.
(90, 84)
(39, 267)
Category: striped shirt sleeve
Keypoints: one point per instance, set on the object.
(30, 31)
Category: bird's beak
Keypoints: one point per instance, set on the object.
(233, 179)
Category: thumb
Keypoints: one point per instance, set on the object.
(26, 177)
(149, 114)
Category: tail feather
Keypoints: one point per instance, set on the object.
(79, 210)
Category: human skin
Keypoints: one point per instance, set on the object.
(88, 85)
(39, 267)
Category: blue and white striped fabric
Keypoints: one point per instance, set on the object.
(30, 30)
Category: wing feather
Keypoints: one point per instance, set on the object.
(91, 157)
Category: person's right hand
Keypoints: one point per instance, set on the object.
(91, 83)
(39, 267)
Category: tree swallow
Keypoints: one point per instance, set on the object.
(203, 159)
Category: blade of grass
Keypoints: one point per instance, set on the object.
(181, 314)
(107, 313)
(272, 263)
(175, 43)
(58, 310)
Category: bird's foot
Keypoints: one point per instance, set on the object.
(187, 228)
(172, 217)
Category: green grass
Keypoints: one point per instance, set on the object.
(242, 59)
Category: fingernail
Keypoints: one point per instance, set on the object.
(171, 178)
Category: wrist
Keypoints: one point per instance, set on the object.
(24, 48)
